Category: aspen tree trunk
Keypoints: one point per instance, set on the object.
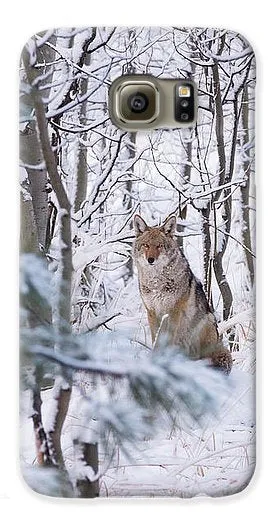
(33, 229)
(30, 150)
(28, 229)
(186, 176)
(206, 239)
(65, 264)
(30, 154)
(127, 200)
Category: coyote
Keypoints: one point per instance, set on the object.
(169, 288)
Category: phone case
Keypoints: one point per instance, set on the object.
(137, 269)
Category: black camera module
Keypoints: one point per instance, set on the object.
(184, 101)
(138, 102)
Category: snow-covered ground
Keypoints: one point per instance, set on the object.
(215, 459)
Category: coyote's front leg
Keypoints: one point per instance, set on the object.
(167, 324)
(153, 323)
(174, 325)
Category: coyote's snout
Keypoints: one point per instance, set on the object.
(169, 287)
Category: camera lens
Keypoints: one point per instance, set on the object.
(184, 116)
(138, 102)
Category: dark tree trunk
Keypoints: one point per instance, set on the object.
(82, 168)
(245, 189)
(218, 255)
(86, 487)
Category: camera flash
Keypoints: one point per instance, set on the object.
(184, 91)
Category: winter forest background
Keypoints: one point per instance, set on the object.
(102, 413)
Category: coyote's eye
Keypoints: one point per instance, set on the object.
(159, 246)
(146, 246)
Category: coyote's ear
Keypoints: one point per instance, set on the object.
(169, 225)
(140, 225)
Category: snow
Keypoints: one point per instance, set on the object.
(154, 175)
(50, 418)
(215, 459)
(34, 276)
